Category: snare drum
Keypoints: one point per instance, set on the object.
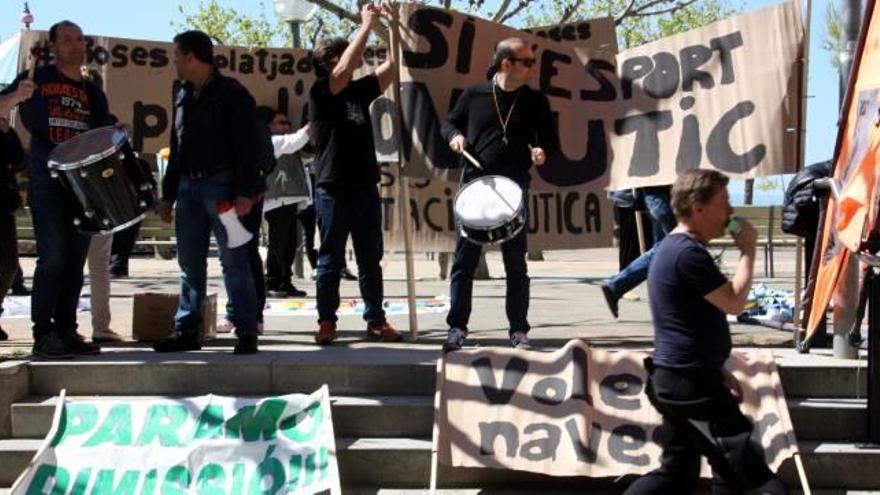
(490, 210)
(100, 170)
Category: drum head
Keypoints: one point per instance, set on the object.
(488, 201)
(87, 148)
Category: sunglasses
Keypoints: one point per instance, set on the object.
(527, 62)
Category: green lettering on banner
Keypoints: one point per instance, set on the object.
(211, 479)
(323, 463)
(237, 479)
(104, 484)
(289, 424)
(176, 481)
(295, 466)
(250, 426)
(48, 473)
(309, 475)
(269, 467)
(76, 419)
(150, 482)
(210, 423)
(81, 482)
(163, 420)
(116, 427)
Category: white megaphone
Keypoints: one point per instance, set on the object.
(236, 234)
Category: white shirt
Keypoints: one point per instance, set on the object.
(285, 144)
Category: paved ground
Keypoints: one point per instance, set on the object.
(566, 303)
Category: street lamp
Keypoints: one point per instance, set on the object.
(294, 12)
(26, 18)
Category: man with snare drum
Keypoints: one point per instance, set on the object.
(506, 127)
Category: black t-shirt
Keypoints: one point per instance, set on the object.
(345, 155)
(690, 333)
(477, 118)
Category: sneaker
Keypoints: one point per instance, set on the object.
(246, 345)
(3, 335)
(77, 343)
(383, 331)
(454, 339)
(226, 326)
(51, 347)
(610, 299)
(346, 274)
(326, 333)
(178, 342)
(288, 290)
(20, 290)
(103, 336)
(519, 340)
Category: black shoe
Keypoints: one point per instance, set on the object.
(610, 299)
(51, 347)
(288, 290)
(454, 339)
(20, 290)
(246, 345)
(346, 274)
(3, 335)
(178, 342)
(118, 274)
(77, 343)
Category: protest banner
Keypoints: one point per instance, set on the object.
(207, 444)
(578, 411)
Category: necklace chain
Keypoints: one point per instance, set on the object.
(501, 120)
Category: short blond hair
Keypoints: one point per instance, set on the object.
(695, 186)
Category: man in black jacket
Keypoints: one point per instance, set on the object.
(509, 127)
(214, 154)
(11, 155)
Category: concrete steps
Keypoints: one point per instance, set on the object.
(383, 411)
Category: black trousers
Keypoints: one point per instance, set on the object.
(282, 246)
(702, 418)
(123, 245)
(8, 254)
(308, 219)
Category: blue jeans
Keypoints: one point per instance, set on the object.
(342, 212)
(662, 222)
(196, 212)
(467, 256)
(61, 255)
(253, 221)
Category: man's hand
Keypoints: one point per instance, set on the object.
(458, 143)
(538, 156)
(369, 15)
(24, 90)
(390, 10)
(747, 238)
(166, 211)
(243, 205)
(732, 384)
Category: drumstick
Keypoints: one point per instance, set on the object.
(471, 159)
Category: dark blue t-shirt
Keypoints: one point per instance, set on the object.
(60, 109)
(689, 332)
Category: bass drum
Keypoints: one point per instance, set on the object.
(490, 210)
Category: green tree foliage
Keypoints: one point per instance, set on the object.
(833, 42)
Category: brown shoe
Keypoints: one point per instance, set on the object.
(326, 333)
(383, 331)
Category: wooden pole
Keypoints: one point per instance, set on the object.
(640, 229)
(403, 185)
(802, 140)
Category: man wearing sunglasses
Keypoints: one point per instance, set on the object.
(508, 127)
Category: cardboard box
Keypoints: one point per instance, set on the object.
(153, 316)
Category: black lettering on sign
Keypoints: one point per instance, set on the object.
(580, 376)
(725, 45)
(628, 438)
(382, 107)
(584, 30)
(489, 432)
(149, 121)
(614, 388)
(585, 451)
(645, 160)
(387, 213)
(414, 214)
(693, 57)
(721, 155)
(690, 149)
(548, 58)
(120, 58)
(606, 92)
(420, 116)
(550, 390)
(158, 57)
(465, 46)
(539, 449)
(663, 80)
(512, 375)
(632, 70)
(592, 213)
(427, 213)
(570, 199)
(424, 22)
(560, 171)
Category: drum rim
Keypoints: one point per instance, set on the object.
(54, 165)
(488, 227)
